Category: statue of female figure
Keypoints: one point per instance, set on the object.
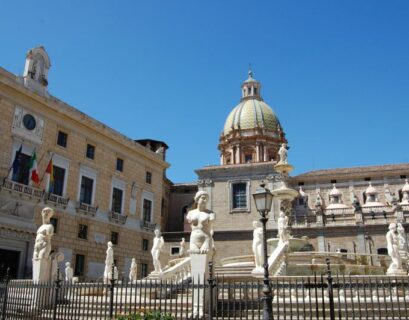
(393, 248)
(258, 244)
(282, 152)
(133, 271)
(109, 261)
(69, 272)
(158, 243)
(282, 225)
(42, 246)
(201, 220)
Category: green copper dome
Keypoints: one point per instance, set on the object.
(251, 114)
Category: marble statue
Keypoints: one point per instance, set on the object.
(258, 245)
(158, 243)
(393, 249)
(282, 152)
(69, 273)
(42, 245)
(182, 250)
(109, 261)
(56, 258)
(401, 237)
(282, 226)
(201, 220)
(133, 271)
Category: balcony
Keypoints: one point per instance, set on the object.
(23, 190)
(117, 217)
(56, 199)
(87, 209)
(147, 225)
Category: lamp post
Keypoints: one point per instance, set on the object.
(263, 199)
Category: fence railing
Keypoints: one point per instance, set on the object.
(315, 297)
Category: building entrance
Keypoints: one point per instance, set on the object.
(9, 259)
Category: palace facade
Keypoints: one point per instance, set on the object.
(103, 185)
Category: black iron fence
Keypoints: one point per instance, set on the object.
(316, 297)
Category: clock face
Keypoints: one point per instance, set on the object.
(29, 122)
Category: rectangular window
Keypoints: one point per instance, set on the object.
(147, 209)
(119, 164)
(86, 190)
(148, 177)
(144, 270)
(57, 186)
(116, 200)
(90, 151)
(83, 231)
(145, 244)
(62, 139)
(239, 195)
(174, 251)
(54, 222)
(21, 172)
(114, 237)
(79, 264)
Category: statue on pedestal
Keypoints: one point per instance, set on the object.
(42, 246)
(258, 245)
(201, 244)
(393, 249)
(201, 220)
(133, 271)
(158, 243)
(109, 261)
(69, 272)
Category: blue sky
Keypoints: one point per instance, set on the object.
(335, 72)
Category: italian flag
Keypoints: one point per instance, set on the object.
(50, 171)
(33, 169)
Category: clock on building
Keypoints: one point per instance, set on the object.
(29, 121)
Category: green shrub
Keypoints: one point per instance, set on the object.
(152, 315)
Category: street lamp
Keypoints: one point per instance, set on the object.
(263, 199)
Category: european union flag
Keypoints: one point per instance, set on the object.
(17, 159)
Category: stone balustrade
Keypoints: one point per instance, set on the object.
(86, 209)
(117, 217)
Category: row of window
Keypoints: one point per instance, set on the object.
(62, 139)
(83, 231)
(86, 188)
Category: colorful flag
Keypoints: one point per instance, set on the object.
(33, 168)
(50, 171)
(16, 162)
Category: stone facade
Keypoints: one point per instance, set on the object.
(134, 170)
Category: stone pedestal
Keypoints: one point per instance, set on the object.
(396, 272)
(42, 295)
(42, 269)
(200, 273)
